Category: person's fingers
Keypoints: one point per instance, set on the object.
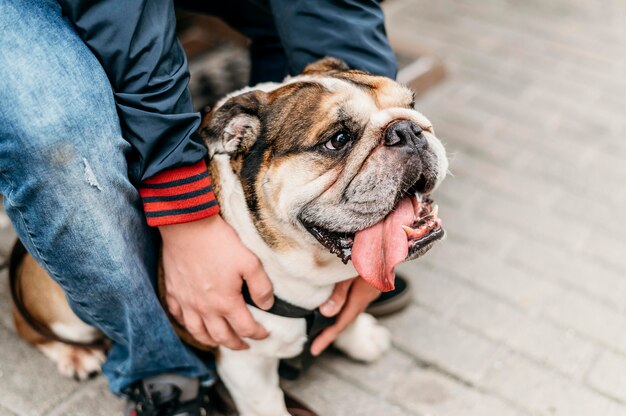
(224, 335)
(323, 340)
(174, 307)
(337, 299)
(365, 292)
(195, 326)
(259, 285)
(360, 295)
(243, 323)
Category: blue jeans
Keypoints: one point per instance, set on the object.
(64, 176)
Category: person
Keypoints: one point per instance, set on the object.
(100, 164)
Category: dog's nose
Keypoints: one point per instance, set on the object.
(404, 133)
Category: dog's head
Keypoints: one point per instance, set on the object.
(336, 161)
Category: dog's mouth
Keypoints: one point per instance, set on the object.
(406, 233)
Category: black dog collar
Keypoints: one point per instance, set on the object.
(315, 324)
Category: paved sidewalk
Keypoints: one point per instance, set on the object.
(522, 310)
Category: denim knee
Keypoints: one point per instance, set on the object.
(63, 160)
(56, 103)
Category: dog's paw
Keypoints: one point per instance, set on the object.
(76, 362)
(364, 340)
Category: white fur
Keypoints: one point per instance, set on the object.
(364, 340)
(252, 375)
(252, 380)
(76, 330)
(73, 361)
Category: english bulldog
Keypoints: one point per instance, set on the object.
(324, 176)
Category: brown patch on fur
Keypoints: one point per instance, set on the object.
(205, 123)
(265, 223)
(320, 260)
(385, 92)
(45, 301)
(214, 174)
(299, 112)
(25, 331)
(325, 66)
(236, 164)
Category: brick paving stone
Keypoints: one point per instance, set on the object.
(331, 395)
(602, 217)
(6, 319)
(434, 290)
(420, 388)
(422, 334)
(460, 260)
(510, 186)
(553, 347)
(590, 319)
(29, 383)
(543, 392)
(578, 272)
(533, 222)
(432, 393)
(543, 342)
(6, 412)
(483, 234)
(609, 249)
(608, 375)
(381, 378)
(92, 399)
(478, 144)
(457, 195)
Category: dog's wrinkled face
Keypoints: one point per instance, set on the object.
(337, 160)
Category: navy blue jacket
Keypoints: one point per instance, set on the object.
(135, 41)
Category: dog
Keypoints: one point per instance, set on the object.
(324, 176)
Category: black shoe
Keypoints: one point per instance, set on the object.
(168, 395)
(392, 301)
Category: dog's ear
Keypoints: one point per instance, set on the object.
(325, 65)
(234, 126)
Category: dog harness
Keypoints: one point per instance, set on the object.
(315, 324)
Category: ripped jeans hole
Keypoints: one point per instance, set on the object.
(90, 176)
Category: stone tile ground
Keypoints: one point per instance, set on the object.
(521, 311)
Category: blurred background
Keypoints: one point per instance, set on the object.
(522, 309)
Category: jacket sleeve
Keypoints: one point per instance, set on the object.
(352, 30)
(136, 44)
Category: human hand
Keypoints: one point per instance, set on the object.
(205, 264)
(349, 299)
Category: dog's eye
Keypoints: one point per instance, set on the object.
(338, 141)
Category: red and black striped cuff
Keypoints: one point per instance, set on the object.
(179, 195)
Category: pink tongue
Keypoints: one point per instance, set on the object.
(377, 249)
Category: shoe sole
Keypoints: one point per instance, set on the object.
(392, 305)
